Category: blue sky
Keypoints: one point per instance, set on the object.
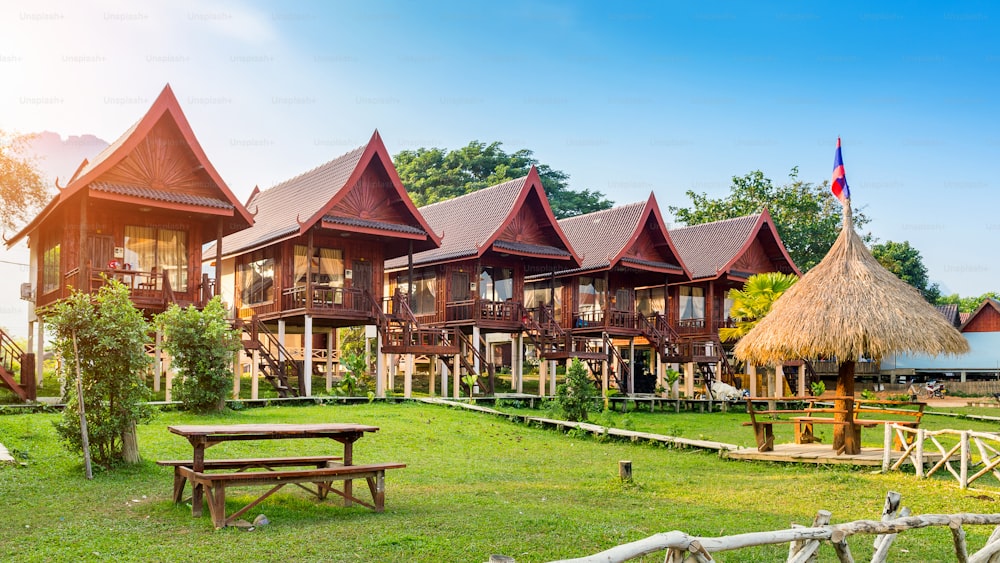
(660, 96)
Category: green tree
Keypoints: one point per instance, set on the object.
(905, 261)
(201, 344)
(754, 301)
(434, 174)
(21, 187)
(807, 216)
(105, 336)
(967, 304)
(577, 396)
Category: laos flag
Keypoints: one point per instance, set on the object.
(839, 182)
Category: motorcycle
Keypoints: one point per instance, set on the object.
(935, 389)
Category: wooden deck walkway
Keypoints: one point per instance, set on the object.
(783, 453)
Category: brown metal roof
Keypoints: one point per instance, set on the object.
(160, 195)
(536, 249)
(708, 249)
(373, 224)
(950, 312)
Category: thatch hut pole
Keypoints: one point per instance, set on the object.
(844, 435)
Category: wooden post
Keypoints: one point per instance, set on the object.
(444, 377)
(474, 341)
(456, 376)
(752, 379)
(625, 470)
(963, 480)
(237, 374)
(552, 378)
(803, 388)
(689, 380)
(520, 363)
(432, 375)
(631, 365)
(918, 454)
(887, 448)
(379, 366)
(844, 435)
(218, 258)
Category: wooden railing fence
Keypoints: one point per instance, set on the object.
(954, 446)
(804, 542)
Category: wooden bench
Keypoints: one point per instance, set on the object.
(215, 485)
(802, 419)
(180, 480)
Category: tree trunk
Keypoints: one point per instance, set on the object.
(130, 445)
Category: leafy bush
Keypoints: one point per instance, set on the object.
(817, 388)
(355, 377)
(103, 336)
(577, 396)
(201, 344)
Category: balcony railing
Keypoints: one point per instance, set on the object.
(483, 310)
(700, 326)
(326, 298)
(605, 319)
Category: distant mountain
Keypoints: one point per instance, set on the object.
(58, 157)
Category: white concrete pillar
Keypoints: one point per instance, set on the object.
(379, 366)
(40, 354)
(752, 379)
(444, 377)
(456, 376)
(605, 380)
(157, 364)
(168, 369)
(779, 381)
(330, 336)
(254, 374)
(543, 369)
(661, 371)
(307, 360)
(475, 343)
(552, 378)
(431, 374)
(631, 365)
(408, 376)
(961, 376)
(281, 339)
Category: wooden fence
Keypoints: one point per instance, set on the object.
(804, 542)
(955, 447)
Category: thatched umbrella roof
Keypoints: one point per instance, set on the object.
(849, 306)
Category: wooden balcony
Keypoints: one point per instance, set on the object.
(623, 323)
(502, 315)
(149, 290)
(322, 301)
(700, 326)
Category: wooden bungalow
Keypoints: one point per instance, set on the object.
(616, 297)
(720, 256)
(313, 261)
(491, 239)
(140, 213)
(981, 330)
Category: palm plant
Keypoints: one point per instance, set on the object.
(753, 302)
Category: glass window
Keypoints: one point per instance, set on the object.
(256, 280)
(423, 301)
(148, 249)
(50, 268)
(327, 266)
(650, 300)
(496, 284)
(593, 294)
(691, 304)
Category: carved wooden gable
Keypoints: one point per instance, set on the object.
(373, 197)
(754, 260)
(163, 161)
(645, 247)
(528, 225)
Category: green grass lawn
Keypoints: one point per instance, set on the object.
(475, 485)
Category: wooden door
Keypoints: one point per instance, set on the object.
(362, 276)
(100, 251)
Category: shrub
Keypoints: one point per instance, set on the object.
(201, 344)
(817, 388)
(103, 336)
(577, 396)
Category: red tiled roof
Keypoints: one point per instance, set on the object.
(470, 224)
(602, 237)
(160, 195)
(280, 208)
(373, 224)
(709, 248)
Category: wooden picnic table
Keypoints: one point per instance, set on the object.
(203, 437)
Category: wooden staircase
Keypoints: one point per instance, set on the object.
(468, 357)
(275, 362)
(402, 333)
(618, 368)
(12, 361)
